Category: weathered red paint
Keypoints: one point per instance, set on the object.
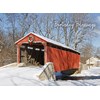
(63, 59)
(45, 53)
(25, 39)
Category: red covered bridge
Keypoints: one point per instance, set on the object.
(45, 50)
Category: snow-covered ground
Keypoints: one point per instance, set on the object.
(27, 76)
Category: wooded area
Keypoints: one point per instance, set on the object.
(74, 30)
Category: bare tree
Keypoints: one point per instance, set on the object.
(70, 29)
(76, 28)
(97, 53)
(87, 51)
(44, 25)
(12, 25)
(25, 21)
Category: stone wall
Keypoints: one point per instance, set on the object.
(48, 72)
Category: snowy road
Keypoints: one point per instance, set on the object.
(26, 76)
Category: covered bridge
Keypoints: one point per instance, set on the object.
(43, 50)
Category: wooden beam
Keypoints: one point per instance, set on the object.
(18, 54)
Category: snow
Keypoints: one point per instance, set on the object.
(27, 76)
(47, 40)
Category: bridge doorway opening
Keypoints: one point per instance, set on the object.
(32, 54)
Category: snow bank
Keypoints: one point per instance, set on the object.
(10, 65)
(26, 76)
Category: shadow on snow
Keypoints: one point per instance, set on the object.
(77, 77)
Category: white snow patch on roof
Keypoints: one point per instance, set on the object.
(49, 41)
